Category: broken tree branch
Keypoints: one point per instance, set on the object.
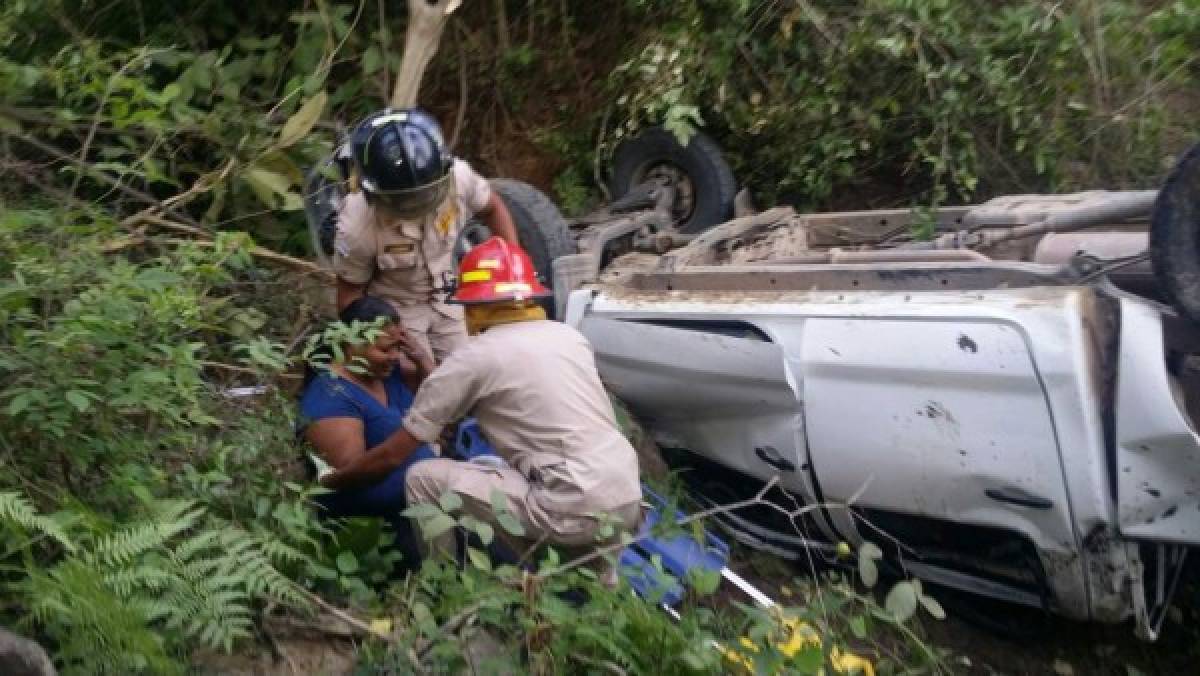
(385, 47)
(108, 90)
(342, 615)
(461, 115)
(426, 21)
(98, 174)
(307, 267)
(450, 625)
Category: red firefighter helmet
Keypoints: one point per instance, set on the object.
(497, 271)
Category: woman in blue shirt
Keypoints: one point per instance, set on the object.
(347, 412)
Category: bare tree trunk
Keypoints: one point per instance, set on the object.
(426, 20)
(502, 39)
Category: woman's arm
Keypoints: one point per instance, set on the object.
(340, 441)
(375, 464)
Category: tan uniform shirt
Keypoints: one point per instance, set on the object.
(535, 390)
(407, 261)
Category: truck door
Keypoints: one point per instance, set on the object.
(944, 418)
(717, 388)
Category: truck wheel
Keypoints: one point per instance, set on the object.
(703, 180)
(1175, 235)
(540, 227)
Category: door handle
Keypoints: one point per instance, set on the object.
(1017, 496)
(769, 455)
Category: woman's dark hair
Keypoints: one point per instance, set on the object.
(368, 309)
(364, 309)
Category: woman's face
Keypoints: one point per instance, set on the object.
(385, 353)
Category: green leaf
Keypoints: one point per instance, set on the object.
(499, 501)
(809, 661)
(703, 581)
(301, 123)
(901, 601)
(9, 125)
(433, 527)
(347, 563)
(79, 400)
(510, 524)
(858, 627)
(868, 553)
(424, 618)
(479, 559)
(421, 510)
(932, 607)
(19, 403)
(694, 660)
(450, 501)
(323, 572)
(291, 201)
(485, 532)
(372, 59)
(267, 184)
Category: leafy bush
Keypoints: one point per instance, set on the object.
(558, 617)
(928, 101)
(115, 425)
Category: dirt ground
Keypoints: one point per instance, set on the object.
(288, 657)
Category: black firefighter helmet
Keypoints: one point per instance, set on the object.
(402, 161)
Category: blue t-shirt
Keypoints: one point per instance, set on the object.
(331, 396)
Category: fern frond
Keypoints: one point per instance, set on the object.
(95, 629)
(281, 553)
(121, 548)
(15, 510)
(128, 580)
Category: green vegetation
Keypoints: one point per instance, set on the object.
(147, 150)
(924, 101)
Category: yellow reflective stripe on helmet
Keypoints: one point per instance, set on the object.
(513, 287)
(477, 276)
(488, 264)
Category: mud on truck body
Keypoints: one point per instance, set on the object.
(1005, 407)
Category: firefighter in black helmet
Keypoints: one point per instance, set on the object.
(396, 232)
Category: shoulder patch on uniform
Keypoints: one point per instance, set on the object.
(447, 219)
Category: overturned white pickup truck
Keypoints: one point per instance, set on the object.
(1007, 406)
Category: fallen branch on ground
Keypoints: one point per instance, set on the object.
(99, 175)
(307, 267)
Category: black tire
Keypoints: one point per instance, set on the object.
(700, 161)
(540, 226)
(1175, 235)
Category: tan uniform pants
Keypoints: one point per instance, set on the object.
(570, 534)
(435, 332)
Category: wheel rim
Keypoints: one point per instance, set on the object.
(668, 173)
